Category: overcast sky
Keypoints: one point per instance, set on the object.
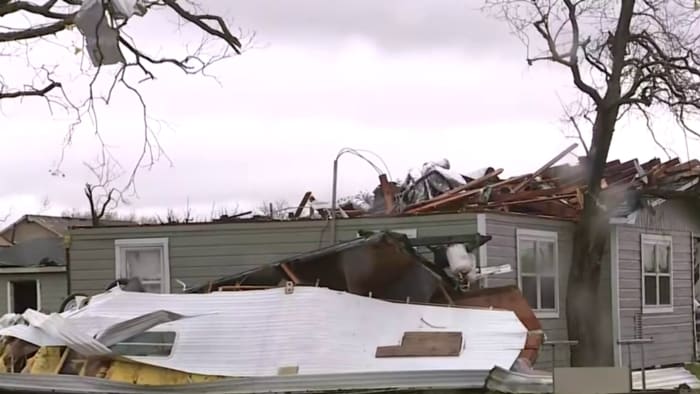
(413, 81)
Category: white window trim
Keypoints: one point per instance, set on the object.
(539, 235)
(11, 294)
(137, 243)
(655, 239)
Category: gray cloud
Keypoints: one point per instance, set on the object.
(392, 24)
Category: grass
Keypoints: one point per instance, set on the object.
(694, 368)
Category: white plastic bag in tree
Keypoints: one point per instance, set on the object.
(127, 8)
(101, 39)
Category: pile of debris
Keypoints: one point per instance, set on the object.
(372, 311)
(553, 190)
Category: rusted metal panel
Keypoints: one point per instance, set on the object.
(424, 344)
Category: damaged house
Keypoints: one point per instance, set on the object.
(33, 271)
(647, 274)
(497, 249)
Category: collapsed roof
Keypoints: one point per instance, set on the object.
(552, 190)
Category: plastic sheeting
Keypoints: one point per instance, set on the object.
(317, 330)
(102, 40)
(433, 179)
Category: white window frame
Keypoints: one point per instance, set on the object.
(122, 245)
(664, 240)
(547, 236)
(11, 293)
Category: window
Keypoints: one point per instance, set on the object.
(538, 260)
(146, 259)
(657, 273)
(149, 343)
(23, 295)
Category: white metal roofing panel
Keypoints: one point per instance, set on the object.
(665, 378)
(320, 331)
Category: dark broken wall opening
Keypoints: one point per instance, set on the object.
(24, 295)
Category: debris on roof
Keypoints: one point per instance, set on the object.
(552, 190)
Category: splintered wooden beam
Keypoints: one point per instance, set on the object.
(545, 167)
(290, 274)
(424, 344)
(302, 204)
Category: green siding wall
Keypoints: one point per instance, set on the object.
(53, 289)
(201, 252)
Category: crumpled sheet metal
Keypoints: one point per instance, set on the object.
(340, 383)
(665, 379)
(318, 330)
(502, 380)
(384, 264)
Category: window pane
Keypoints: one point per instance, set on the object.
(143, 263)
(648, 258)
(665, 290)
(529, 290)
(153, 343)
(527, 256)
(545, 257)
(664, 257)
(650, 290)
(547, 293)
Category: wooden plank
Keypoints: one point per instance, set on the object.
(545, 167)
(302, 204)
(424, 344)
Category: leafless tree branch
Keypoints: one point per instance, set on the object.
(30, 24)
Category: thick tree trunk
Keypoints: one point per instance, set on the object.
(585, 310)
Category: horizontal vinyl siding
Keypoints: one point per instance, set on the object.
(53, 289)
(672, 332)
(203, 252)
(502, 250)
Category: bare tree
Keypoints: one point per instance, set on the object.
(119, 60)
(625, 57)
(274, 209)
(102, 196)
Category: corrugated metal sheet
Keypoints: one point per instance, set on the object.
(416, 380)
(665, 378)
(318, 330)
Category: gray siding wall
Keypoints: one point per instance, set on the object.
(502, 249)
(53, 289)
(672, 332)
(202, 252)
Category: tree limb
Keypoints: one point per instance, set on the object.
(30, 92)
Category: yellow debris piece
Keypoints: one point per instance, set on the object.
(46, 360)
(149, 375)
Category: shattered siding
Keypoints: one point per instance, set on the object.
(502, 249)
(672, 332)
(202, 252)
